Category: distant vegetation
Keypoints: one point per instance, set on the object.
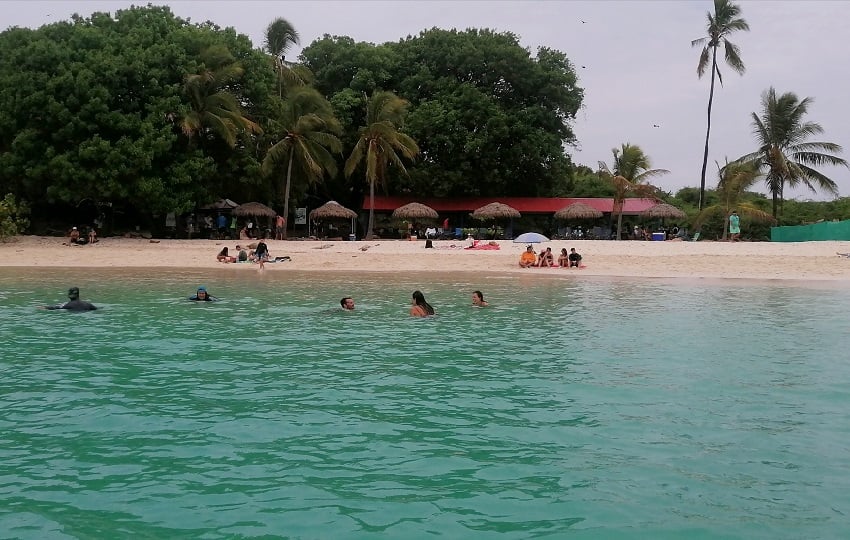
(142, 113)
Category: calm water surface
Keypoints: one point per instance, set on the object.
(571, 408)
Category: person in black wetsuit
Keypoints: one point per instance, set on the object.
(74, 303)
(202, 295)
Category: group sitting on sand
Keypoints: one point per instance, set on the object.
(259, 253)
(546, 258)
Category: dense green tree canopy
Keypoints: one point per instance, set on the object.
(489, 118)
(91, 108)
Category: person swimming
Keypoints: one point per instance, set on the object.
(420, 307)
(202, 295)
(74, 303)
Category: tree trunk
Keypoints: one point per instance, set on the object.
(369, 229)
(619, 222)
(707, 130)
(286, 193)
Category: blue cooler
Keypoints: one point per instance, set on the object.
(658, 237)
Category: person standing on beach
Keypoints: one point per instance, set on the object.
(734, 227)
(279, 227)
(420, 307)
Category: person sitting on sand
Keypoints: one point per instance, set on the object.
(478, 299)
(420, 308)
(224, 256)
(563, 258)
(546, 258)
(528, 258)
(575, 258)
(243, 233)
(74, 303)
(202, 295)
(92, 235)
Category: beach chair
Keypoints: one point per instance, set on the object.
(696, 237)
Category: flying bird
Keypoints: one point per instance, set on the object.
(585, 67)
(583, 21)
(655, 125)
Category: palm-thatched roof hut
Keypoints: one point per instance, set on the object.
(332, 210)
(415, 210)
(663, 210)
(495, 210)
(254, 209)
(578, 210)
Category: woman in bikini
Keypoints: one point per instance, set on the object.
(420, 307)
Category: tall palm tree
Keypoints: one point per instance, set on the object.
(735, 179)
(308, 140)
(210, 107)
(380, 143)
(280, 36)
(630, 170)
(723, 22)
(784, 151)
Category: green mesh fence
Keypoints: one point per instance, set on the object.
(826, 230)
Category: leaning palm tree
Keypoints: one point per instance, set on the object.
(735, 179)
(280, 36)
(308, 140)
(211, 108)
(629, 172)
(723, 22)
(784, 152)
(380, 144)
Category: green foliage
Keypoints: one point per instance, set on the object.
(630, 170)
(489, 118)
(381, 144)
(13, 217)
(724, 21)
(785, 154)
(306, 129)
(734, 180)
(91, 109)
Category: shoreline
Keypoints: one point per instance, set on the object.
(700, 261)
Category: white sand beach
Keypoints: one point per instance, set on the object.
(809, 261)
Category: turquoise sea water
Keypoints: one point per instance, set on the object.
(571, 408)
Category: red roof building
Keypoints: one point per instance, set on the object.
(525, 205)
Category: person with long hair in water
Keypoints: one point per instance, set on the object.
(420, 307)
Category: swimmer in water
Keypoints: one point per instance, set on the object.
(347, 303)
(74, 303)
(203, 296)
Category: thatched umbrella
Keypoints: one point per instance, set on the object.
(495, 210)
(221, 204)
(663, 210)
(578, 210)
(332, 210)
(254, 209)
(415, 210)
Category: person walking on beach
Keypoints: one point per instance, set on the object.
(420, 307)
(74, 303)
(734, 227)
(478, 299)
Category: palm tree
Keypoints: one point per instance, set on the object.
(380, 143)
(784, 151)
(211, 108)
(723, 22)
(630, 170)
(308, 141)
(735, 179)
(280, 36)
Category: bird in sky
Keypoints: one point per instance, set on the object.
(583, 21)
(655, 125)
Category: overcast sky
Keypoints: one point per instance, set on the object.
(633, 58)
